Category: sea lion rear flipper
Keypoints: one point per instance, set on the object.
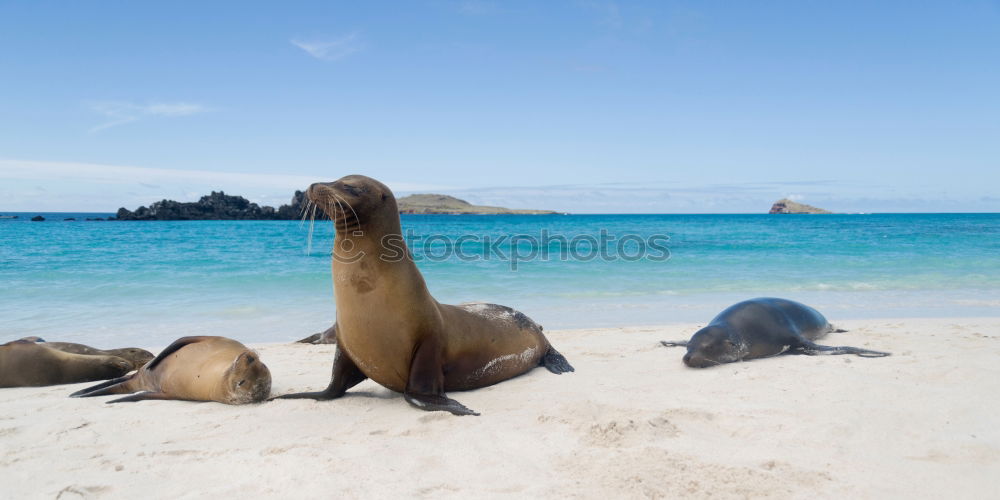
(141, 396)
(113, 386)
(310, 339)
(346, 374)
(815, 349)
(674, 343)
(556, 362)
(425, 387)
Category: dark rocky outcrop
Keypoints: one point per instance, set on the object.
(38, 218)
(786, 206)
(216, 206)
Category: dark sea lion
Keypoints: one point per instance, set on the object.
(328, 336)
(762, 327)
(27, 364)
(134, 355)
(194, 369)
(390, 328)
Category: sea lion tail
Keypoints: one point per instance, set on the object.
(555, 362)
(113, 386)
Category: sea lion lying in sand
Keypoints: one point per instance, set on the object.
(134, 355)
(194, 369)
(759, 328)
(328, 336)
(390, 328)
(29, 364)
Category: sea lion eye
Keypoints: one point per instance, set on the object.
(240, 383)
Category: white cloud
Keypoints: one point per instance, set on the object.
(121, 112)
(330, 49)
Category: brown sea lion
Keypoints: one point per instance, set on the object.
(194, 369)
(27, 364)
(390, 328)
(328, 336)
(134, 355)
(759, 328)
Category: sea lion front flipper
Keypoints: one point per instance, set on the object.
(438, 403)
(425, 387)
(815, 350)
(346, 374)
(674, 343)
(172, 348)
(141, 396)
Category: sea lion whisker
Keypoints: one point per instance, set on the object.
(354, 223)
(305, 212)
(309, 240)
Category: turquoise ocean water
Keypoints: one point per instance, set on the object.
(147, 283)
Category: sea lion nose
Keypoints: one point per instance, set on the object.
(687, 358)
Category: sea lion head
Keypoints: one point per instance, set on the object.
(138, 357)
(247, 380)
(712, 345)
(356, 203)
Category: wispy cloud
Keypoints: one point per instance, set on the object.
(122, 112)
(330, 49)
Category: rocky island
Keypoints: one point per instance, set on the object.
(216, 206)
(786, 206)
(221, 206)
(449, 205)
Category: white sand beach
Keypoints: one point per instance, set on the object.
(631, 422)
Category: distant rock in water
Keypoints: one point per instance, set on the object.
(38, 218)
(786, 206)
(449, 205)
(216, 206)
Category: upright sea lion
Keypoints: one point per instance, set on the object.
(27, 364)
(134, 355)
(390, 328)
(328, 336)
(194, 369)
(759, 328)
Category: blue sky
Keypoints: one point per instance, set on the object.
(581, 106)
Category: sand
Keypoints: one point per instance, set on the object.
(631, 422)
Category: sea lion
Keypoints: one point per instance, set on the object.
(194, 369)
(390, 328)
(27, 364)
(328, 336)
(762, 327)
(134, 355)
